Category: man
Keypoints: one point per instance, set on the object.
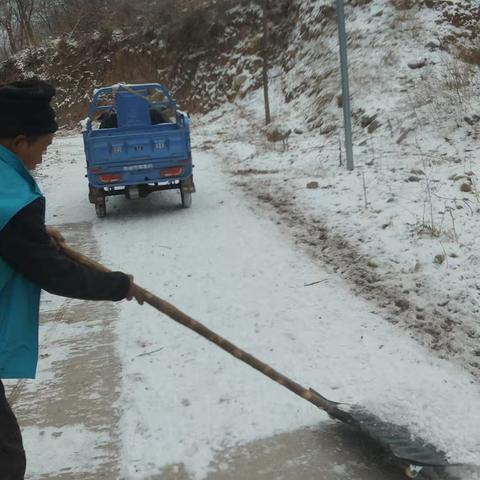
(30, 255)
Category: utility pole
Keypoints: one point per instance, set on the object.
(347, 115)
(265, 63)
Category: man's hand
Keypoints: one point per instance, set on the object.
(136, 292)
(56, 236)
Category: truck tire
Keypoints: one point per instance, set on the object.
(186, 199)
(101, 208)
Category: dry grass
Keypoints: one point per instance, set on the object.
(449, 88)
(404, 4)
(470, 55)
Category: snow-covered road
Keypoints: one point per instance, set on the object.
(183, 401)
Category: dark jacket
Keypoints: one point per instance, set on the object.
(28, 249)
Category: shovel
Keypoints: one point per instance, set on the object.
(410, 453)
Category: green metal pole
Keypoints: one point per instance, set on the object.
(347, 116)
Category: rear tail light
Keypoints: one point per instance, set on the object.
(110, 178)
(171, 172)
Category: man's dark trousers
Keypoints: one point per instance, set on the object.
(12, 454)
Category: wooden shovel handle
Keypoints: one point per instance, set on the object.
(180, 317)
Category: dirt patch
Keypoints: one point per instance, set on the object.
(254, 171)
(329, 452)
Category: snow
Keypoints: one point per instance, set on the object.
(73, 441)
(227, 264)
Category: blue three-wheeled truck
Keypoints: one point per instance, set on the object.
(136, 142)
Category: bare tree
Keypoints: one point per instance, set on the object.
(46, 12)
(8, 25)
(24, 11)
(16, 22)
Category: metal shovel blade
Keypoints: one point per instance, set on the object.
(395, 440)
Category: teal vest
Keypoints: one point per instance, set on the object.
(19, 298)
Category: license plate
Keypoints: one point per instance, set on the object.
(145, 166)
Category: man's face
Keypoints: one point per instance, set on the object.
(30, 152)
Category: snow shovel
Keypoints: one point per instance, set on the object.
(403, 449)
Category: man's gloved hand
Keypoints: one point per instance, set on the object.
(56, 236)
(136, 292)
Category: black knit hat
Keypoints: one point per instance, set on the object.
(25, 109)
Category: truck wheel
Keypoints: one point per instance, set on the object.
(101, 209)
(186, 199)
